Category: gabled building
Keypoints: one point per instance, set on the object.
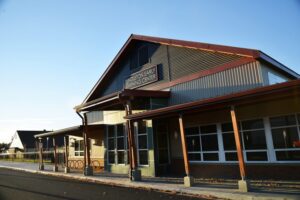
(179, 108)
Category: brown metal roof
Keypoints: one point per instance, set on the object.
(253, 53)
(282, 90)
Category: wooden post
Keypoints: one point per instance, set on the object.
(41, 161)
(188, 180)
(238, 143)
(135, 174)
(55, 168)
(66, 144)
(184, 149)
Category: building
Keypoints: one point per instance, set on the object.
(167, 107)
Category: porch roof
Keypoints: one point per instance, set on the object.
(117, 98)
(266, 93)
(74, 130)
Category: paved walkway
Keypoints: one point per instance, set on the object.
(204, 188)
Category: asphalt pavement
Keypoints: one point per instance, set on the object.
(15, 185)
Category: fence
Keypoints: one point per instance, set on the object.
(33, 156)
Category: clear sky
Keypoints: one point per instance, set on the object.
(52, 52)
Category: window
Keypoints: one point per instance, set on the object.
(285, 131)
(79, 147)
(142, 142)
(202, 143)
(143, 55)
(229, 142)
(254, 140)
(116, 144)
(274, 78)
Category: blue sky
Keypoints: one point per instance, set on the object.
(52, 52)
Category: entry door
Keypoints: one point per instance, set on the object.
(162, 144)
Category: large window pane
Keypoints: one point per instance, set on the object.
(143, 156)
(142, 128)
(288, 155)
(111, 131)
(284, 137)
(257, 156)
(229, 141)
(193, 143)
(209, 142)
(143, 142)
(227, 127)
(121, 157)
(283, 121)
(111, 157)
(231, 156)
(210, 156)
(253, 124)
(194, 156)
(255, 139)
(111, 143)
(120, 130)
(120, 143)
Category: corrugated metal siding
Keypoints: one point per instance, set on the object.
(230, 81)
(117, 81)
(185, 61)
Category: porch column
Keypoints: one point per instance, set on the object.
(135, 173)
(41, 161)
(88, 170)
(55, 167)
(188, 180)
(243, 184)
(66, 143)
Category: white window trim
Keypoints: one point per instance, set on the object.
(137, 143)
(115, 137)
(78, 151)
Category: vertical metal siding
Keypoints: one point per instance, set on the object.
(229, 81)
(185, 61)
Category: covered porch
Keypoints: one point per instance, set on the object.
(264, 103)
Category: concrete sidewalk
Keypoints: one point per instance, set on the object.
(150, 184)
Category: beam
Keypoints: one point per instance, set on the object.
(243, 184)
(188, 180)
(66, 144)
(135, 174)
(41, 161)
(55, 167)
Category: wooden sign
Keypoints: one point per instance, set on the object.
(142, 78)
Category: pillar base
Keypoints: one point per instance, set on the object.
(136, 175)
(88, 171)
(188, 181)
(67, 170)
(55, 168)
(243, 186)
(41, 167)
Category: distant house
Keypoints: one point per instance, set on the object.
(24, 141)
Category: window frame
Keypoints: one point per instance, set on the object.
(78, 151)
(297, 126)
(201, 152)
(137, 135)
(115, 150)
